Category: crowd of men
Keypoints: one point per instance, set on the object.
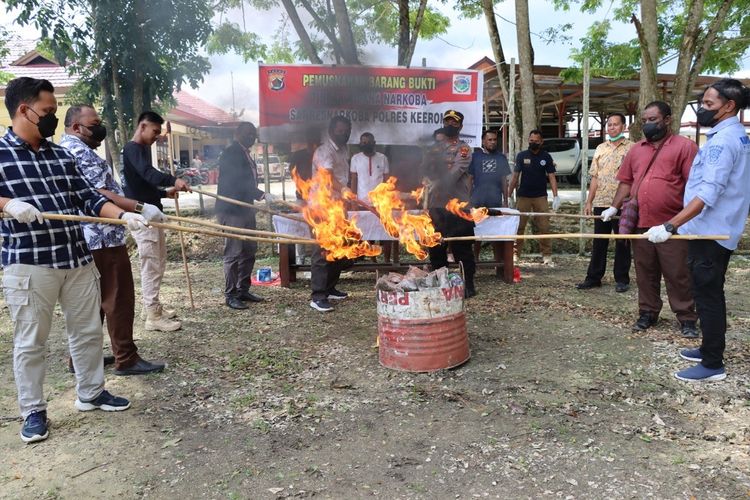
(86, 269)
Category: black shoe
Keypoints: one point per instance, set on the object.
(337, 294)
(108, 360)
(587, 284)
(321, 305)
(469, 292)
(246, 296)
(236, 303)
(645, 321)
(689, 329)
(622, 287)
(141, 367)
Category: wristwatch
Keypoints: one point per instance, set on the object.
(138, 207)
(670, 228)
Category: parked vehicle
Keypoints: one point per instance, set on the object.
(191, 175)
(276, 167)
(566, 152)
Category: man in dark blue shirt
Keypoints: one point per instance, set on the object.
(489, 170)
(535, 167)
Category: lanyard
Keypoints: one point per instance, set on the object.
(369, 165)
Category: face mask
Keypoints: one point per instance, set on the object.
(98, 132)
(451, 130)
(706, 117)
(367, 149)
(47, 124)
(340, 139)
(247, 141)
(616, 137)
(533, 146)
(654, 132)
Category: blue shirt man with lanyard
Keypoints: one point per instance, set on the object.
(716, 201)
(46, 261)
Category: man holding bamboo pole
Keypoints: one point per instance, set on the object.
(141, 181)
(716, 199)
(238, 180)
(655, 172)
(604, 167)
(84, 133)
(46, 261)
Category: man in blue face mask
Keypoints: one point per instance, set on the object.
(604, 167)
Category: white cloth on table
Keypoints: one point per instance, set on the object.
(372, 230)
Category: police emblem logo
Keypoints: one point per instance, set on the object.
(543, 162)
(464, 151)
(276, 79)
(462, 84)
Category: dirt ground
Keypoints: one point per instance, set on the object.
(559, 399)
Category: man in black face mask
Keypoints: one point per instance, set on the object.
(238, 180)
(84, 133)
(447, 167)
(655, 170)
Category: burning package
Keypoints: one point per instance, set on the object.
(417, 279)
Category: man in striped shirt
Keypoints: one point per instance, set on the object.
(47, 261)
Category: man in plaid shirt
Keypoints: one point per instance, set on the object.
(45, 261)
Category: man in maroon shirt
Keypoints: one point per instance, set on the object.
(660, 194)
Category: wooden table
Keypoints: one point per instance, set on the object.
(373, 231)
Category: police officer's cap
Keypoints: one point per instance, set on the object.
(456, 115)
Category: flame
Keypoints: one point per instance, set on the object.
(417, 194)
(325, 212)
(413, 230)
(458, 208)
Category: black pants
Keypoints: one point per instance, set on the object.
(324, 275)
(708, 263)
(450, 225)
(598, 263)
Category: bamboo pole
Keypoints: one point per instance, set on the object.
(170, 149)
(248, 205)
(238, 230)
(552, 214)
(641, 236)
(182, 229)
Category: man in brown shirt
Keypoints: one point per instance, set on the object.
(660, 195)
(604, 167)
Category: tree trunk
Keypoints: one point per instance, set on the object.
(140, 25)
(648, 36)
(404, 26)
(119, 106)
(345, 32)
(681, 96)
(415, 31)
(526, 68)
(304, 37)
(497, 48)
(326, 28)
(688, 44)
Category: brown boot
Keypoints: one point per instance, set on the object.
(165, 313)
(156, 321)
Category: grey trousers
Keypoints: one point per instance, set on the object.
(239, 255)
(31, 293)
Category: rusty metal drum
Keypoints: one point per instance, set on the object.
(422, 331)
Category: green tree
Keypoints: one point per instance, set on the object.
(333, 30)
(130, 55)
(702, 35)
(4, 51)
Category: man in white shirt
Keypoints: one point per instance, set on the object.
(368, 168)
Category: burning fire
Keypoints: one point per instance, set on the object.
(326, 214)
(413, 230)
(458, 208)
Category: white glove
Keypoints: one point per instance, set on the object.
(151, 213)
(23, 212)
(658, 234)
(270, 197)
(135, 221)
(608, 214)
(556, 203)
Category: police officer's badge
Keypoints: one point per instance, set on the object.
(276, 79)
(543, 162)
(464, 151)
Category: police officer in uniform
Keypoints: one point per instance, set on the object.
(447, 168)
